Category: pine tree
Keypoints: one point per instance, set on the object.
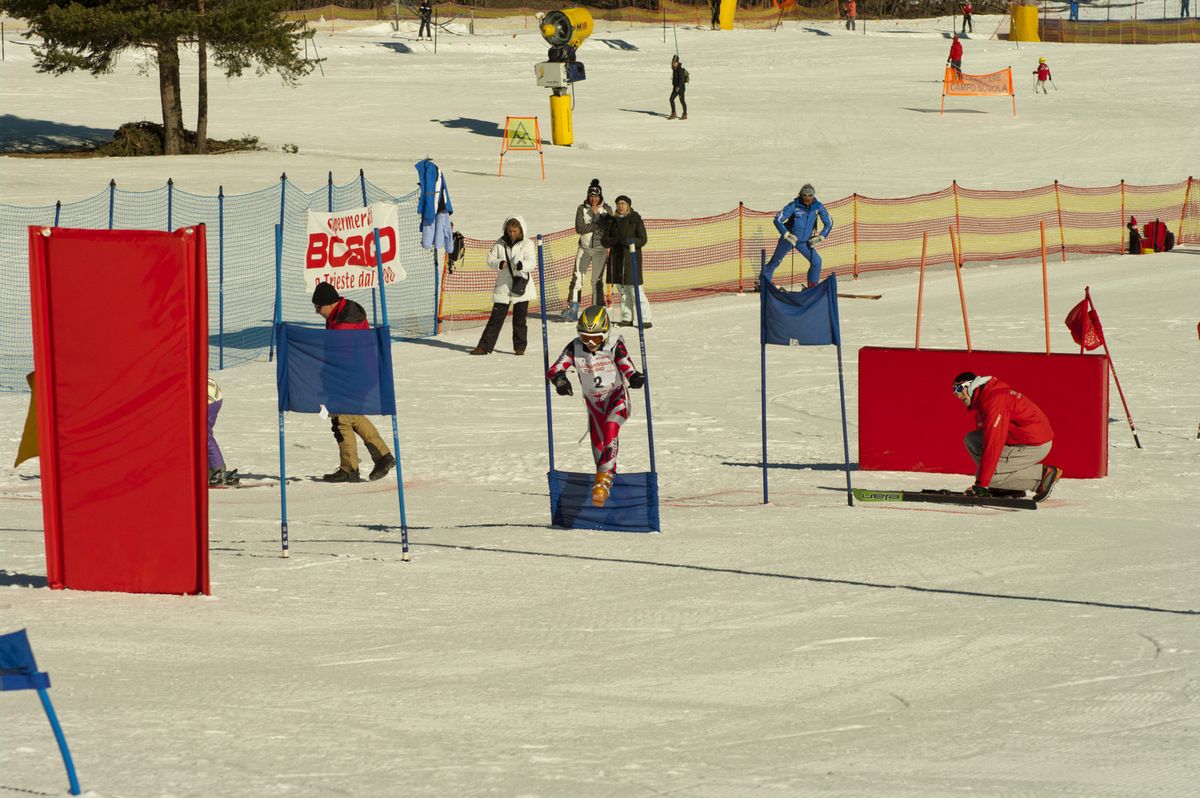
(90, 35)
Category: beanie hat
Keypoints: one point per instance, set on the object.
(626, 198)
(966, 376)
(595, 188)
(325, 294)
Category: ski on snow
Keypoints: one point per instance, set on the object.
(943, 497)
(860, 296)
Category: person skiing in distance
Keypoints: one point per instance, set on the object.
(343, 314)
(591, 219)
(1013, 438)
(797, 226)
(217, 475)
(1074, 15)
(514, 257)
(679, 79)
(851, 14)
(966, 9)
(1043, 75)
(626, 227)
(604, 368)
(426, 29)
(956, 55)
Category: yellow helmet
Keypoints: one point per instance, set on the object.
(1041, 60)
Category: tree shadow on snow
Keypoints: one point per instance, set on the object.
(643, 111)
(797, 466)
(397, 47)
(948, 110)
(480, 127)
(13, 579)
(18, 134)
(438, 344)
(822, 580)
(619, 44)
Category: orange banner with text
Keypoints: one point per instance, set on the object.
(992, 84)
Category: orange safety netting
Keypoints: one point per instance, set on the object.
(688, 258)
(1125, 31)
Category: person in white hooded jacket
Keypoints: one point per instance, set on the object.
(514, 256)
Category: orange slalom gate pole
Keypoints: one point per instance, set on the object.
(741, 240)
(1121, 223)
(442, 289)
(1045, 285)
(962, 297)
(1187, 192)
(921, 286)
(854, 200)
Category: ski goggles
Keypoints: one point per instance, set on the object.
(592, 341)
(962, 387)
(594, 191)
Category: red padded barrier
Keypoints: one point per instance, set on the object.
(120, 346)
(909, 420)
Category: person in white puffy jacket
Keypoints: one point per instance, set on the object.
(514, 257)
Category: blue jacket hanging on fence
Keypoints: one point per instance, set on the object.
(434, 207)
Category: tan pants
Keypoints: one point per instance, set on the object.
(344, 429)
(1019, 467)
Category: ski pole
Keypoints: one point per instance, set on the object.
(1052, 84)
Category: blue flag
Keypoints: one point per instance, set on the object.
(804, 318)
(18, 669)
(348, 371)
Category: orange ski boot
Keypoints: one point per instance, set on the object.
(601, 488)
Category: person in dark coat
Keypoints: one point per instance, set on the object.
(679, 77)
(345, 314)
(627, 226)
(426, 28)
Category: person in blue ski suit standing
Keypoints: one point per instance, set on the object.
(797, 226)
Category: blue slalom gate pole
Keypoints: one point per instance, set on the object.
(72, 779)
(112, 198)
(362, 182)
(395, 426)
(278, 264)
(277, 318)
(845, 434)
(283, 530)
(541, 263)
(220, 278)
(837, 326)
(637, 303)
(762, 345)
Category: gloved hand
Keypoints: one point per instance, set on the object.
(636, 379)
(518, 266)
(817, 239)
(563, 385)
(790, 238)
(977, 490)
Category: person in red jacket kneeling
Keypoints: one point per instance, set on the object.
(1013, 438)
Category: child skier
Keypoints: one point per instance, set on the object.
(217, 475)
(1043, 75)
(603, 368)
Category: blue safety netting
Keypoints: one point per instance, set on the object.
(241, 262)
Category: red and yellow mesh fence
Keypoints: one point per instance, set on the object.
(689, 258)
(1125, 31)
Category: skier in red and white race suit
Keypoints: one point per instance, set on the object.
(603, 367)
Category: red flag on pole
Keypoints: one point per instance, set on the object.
(1085, 325)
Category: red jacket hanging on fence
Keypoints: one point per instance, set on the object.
(1006, 418)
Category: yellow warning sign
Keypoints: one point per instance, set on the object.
(518, 134)
(522, 133)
